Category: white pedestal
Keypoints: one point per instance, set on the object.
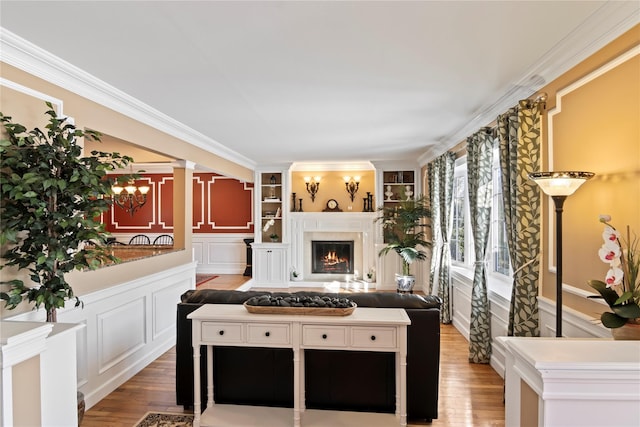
(39, 379)
(572, 382)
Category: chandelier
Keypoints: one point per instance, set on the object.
(130, 197)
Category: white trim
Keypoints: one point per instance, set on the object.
(631, 53)
(34, 60)
(331, 166)
(57, 103)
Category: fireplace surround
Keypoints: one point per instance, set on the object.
(332, 227)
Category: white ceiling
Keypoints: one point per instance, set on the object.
(324, 81)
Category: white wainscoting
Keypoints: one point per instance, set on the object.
(574, 323)
(220, 253)
(127, 327)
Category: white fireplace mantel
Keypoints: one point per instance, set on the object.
(302, 226)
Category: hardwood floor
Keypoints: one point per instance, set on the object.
(470, 394)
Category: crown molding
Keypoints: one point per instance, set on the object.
(34, 60)
(331, 166)
(607, 23)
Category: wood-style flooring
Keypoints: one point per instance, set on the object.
(470, 394)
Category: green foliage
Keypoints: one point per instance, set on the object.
(622, 309)
(52, 199)
(403, 226)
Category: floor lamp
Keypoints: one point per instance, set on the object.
(559, 185)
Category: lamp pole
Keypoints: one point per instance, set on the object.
(559, 185)
(559, 202)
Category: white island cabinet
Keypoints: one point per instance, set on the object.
(564, 382)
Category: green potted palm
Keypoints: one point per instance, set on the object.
(52, 200)
(403, 225)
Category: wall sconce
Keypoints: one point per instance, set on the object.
(352, 185)
(130, 197)
(313, 184)
(559, 185)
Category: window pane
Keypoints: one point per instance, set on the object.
(457, 235)
(500, 251)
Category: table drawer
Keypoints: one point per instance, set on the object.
(269, 333)
(324, 336)
(222, 333)
(378, 337)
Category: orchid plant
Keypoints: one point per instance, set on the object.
(621, 288)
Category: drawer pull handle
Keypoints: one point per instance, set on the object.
(373, 337)
(266, 334)
(324, 336)
(221, 332)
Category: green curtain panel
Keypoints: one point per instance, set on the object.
(434, 189)
(519, 140)
(440, 193)
(479, 171)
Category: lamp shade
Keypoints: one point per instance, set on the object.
(563, 183)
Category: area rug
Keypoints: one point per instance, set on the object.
(202, 278)
(165, 419)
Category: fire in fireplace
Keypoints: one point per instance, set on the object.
(332, 257)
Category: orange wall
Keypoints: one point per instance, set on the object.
(593, 127)
(220, 205)
(332, 187)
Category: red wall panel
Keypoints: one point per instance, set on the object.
(220, 205)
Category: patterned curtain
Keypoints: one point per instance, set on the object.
(436, 241)
(479, 172)
(440, 192)
(519, 138)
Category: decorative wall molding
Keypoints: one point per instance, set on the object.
(553, 112)
(32, 59)
(198, 183)
(127, 327)
(57, 103)
(230, 204)
(161, 221)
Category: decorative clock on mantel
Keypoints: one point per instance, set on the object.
(332, 206)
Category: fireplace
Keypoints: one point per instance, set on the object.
(332, 257)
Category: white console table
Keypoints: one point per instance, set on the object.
(567, 382)
(366, 329)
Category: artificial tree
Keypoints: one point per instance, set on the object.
(404, 233)
(52, 200)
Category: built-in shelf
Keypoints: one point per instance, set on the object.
(271, 206)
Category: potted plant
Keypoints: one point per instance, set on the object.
(52, 199)
(621, 288)
(370, 275)
(404, 232)
(273, 237)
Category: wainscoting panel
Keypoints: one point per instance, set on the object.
(163, 300)
(221, 253)
(574, 324)
(121, 332)
(127, 327)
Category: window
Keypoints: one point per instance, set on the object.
(458, 217)
(462, 237)
(499, 248)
